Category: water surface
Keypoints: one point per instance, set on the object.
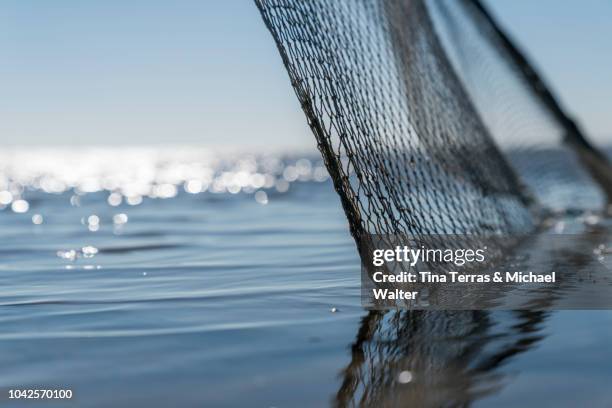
(166, 295)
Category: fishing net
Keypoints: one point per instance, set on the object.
(431, 122)
(545, 147)
(419, 109)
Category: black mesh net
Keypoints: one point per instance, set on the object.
(543, 145)
(413, 104)
(430, 122)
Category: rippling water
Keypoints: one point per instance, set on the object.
(180, 277)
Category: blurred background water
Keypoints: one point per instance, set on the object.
(185, 277)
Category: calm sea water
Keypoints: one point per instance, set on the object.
(207, 280)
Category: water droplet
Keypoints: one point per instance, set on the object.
(5, 197)
(20, 206)
(114, 199)
(290, 173)
(193, 186)
(69, 255)
(89, 251)
(258, 180)
(261, 197)
(404, 377)
(165, 190)
(591, 219)
(234, 188)
(320, 174)
(75, 201)
(93, 220)
(134, 200)
(120, 219)
(282, 186)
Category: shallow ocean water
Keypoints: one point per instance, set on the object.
(239, 298)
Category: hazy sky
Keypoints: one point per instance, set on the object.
(196, 71)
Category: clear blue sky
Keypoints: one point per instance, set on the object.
(207, 72)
